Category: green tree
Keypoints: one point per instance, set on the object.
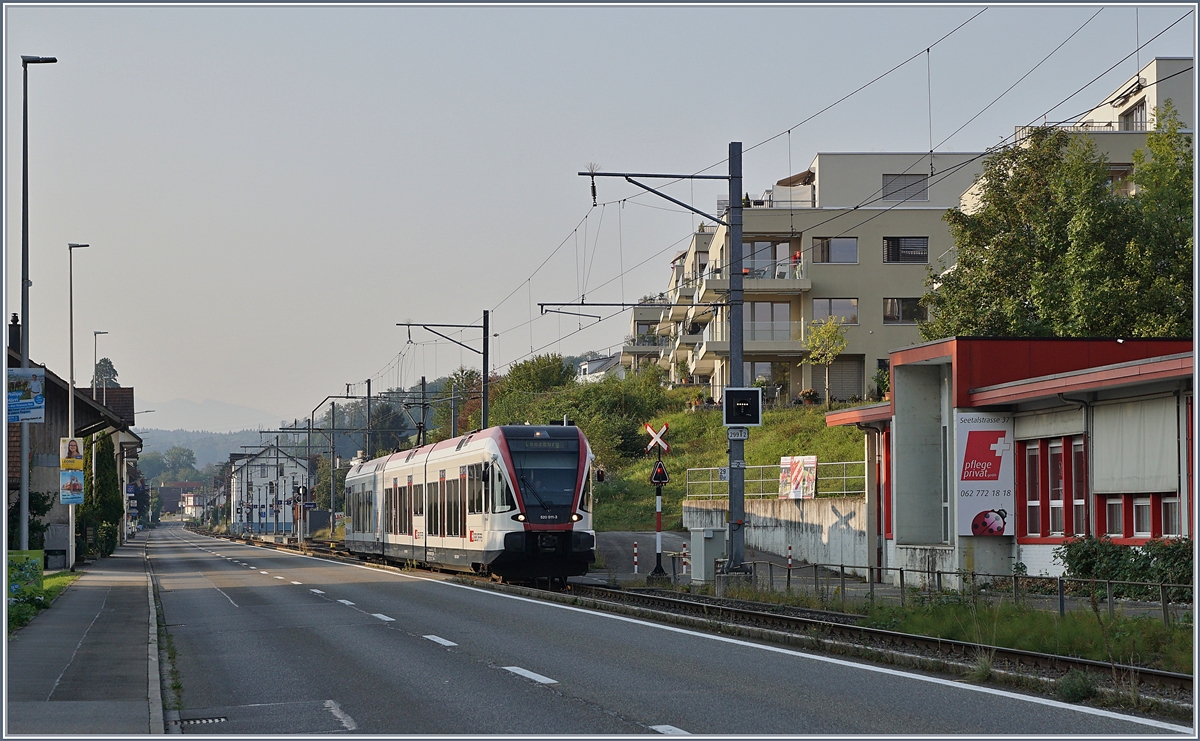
(179, 458)
(320, 493)
(1054, 250)
(151, 465)
(105, 374)
(538, 374)
(824, 341)
(102, 499)
(464, 382)
(40, 503)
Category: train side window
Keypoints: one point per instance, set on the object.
(387, 510)
(418, 500)
(485, 482)
(585, 500)
(502, 499)
(474, 489)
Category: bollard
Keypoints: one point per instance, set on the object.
(635, 556)
(871, 582)
(789, 557)
(939, 581)
(685, 558)
(1162, 592)
(902, 587)
(771, 575)
(1062, 598)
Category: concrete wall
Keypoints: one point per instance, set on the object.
(848, 179)
(826, 530)
(917, 452)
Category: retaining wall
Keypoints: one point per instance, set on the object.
(825, 530)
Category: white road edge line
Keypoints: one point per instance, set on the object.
(439, 640)
(531, 675)
(670, 730)
(347, 722)
(383, 617)
(345, 602)
(1084, 709)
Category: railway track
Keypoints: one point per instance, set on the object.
(845, 626)
(820, 624)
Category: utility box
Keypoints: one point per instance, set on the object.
(708, 544)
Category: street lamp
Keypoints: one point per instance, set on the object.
(71, 247)
(26, 60)
(95, 333)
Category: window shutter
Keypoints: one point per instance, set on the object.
(1136, 447)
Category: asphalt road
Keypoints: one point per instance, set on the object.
(279, 643)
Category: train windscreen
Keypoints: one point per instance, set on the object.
(547, 471)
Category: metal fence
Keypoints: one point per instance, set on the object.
(834, 479)
(836, 586)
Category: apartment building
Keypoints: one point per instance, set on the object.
(851, 237)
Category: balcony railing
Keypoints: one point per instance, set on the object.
(757, 332)
(647, 340)
(762, 269)
(1023, 132)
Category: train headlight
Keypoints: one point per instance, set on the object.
(519, 517)
(576, 517)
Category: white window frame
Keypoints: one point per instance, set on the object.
(1173, 523)
(1058, 522)
(1119, 503)
(1079, 494)
(1142, 503)
(1033, 485)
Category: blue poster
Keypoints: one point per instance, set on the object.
(70, 487)
(26, 395)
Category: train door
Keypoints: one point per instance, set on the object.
(419, 531)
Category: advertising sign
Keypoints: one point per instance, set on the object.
(70, 487)
(26, 395)
(984, 463)
(798, 477)
(70, 453)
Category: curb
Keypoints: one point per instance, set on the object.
(153, 676)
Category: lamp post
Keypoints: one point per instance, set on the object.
(95, 334)
(26, 60)
(71, 247)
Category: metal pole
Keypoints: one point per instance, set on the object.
(483, 424)
(453, 411)
(24, 529)
(332, 458)
(70, 414)
(367, 438)
(424, 415)
(737, 462)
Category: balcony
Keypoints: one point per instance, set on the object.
(682, 294)
(779, 277)
(758, 338)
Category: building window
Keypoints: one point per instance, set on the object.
(1141, 517)
(1170, 517)
(835, 249)
(1033, 493)
(905, 187)
(1079, 518)
(767, 259)
(1114, 515)
(845, 308)
(1056, 489)
(906, 249)
(764, 320)
(1134, 119)
(903, 311)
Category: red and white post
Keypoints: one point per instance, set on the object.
(635, 556)
(789, 557)
(685, 558)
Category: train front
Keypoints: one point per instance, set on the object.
(549, 470)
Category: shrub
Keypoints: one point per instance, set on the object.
(1075, 686)
(1158, 561)
(106, 538)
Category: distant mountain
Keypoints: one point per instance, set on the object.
(209, 447)
(208, 416)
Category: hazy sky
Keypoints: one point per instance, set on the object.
(268, 190)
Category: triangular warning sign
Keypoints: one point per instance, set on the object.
(660, 477)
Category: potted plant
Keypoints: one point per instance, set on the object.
(809, 397)
(883, 381)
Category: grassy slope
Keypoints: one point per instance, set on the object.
(626, 500)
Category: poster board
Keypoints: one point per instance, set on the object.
(984, 483)
(70, 487)
(798, 477)
(26, 395)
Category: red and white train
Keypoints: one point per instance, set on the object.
(511, 501)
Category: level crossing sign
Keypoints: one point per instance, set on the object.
(656, 438)
(659, 477)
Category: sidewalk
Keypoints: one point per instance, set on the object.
(87, 665)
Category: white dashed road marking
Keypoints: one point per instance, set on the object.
(295, 582)
(531, 675)
(316, 591)
(264, 572)
(670, 730)
(279, 577)
(345, 602)
(439, 639)
(384, 618)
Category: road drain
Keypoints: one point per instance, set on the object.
(198, 721)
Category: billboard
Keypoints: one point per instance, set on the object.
(798, 477)
(984, 464)
(26, 395)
